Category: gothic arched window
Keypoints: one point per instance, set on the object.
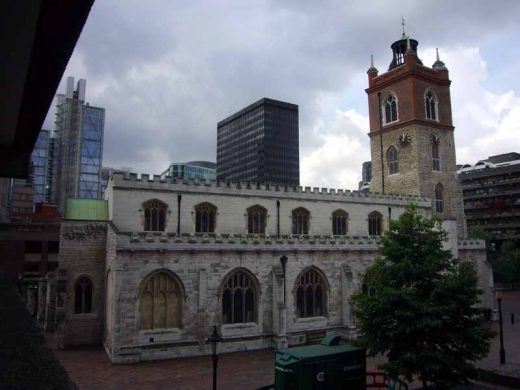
(239, 299)
(205, 215)
(431, 105)
(393, 165)
(160, 304)
(300, 221)
(83, 295)
(436, 158)
(339, 223)
(439, 198)
(256, 218)
(154, 215)
(375, 222)
(311, 294)
(390, 108)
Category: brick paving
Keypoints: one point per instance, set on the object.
(90, 369)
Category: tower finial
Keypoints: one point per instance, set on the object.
(372, 59)
(437, 50)
(408, 45)
(402, 24)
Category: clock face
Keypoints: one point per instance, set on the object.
(435, 138)
(404, 139)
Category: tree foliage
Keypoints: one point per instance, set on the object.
(422, 314)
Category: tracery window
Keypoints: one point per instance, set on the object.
(300, 221)
(393, 164)
(311, 294)
(339, 223)
(239, 299)
(205, 215)
(154, 215)
(436, 158)
(439, 198)
(160, 302)
(256, 219)
(390, 108)
(83, 295)
(431, 105)
(375, 221)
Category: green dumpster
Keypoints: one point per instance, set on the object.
(323, 366)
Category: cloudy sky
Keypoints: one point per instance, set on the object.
(167, 71)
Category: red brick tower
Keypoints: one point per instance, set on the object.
(412, 133)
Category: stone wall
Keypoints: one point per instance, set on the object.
(83, 253)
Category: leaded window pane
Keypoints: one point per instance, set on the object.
(154, 215)
(238, 299)
(205, 218)
(374, 223)
(339, 223)
(160, 302)
(300, 217)
(310, 296)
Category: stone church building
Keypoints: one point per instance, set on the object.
(177, 257)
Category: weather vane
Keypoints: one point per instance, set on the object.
(402, 24)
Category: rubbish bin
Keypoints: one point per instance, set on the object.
(327, 365)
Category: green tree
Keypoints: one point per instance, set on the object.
(422, 314)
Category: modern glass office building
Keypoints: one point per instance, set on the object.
(78, 146)
(260, 144)
(91, 152)
(41, 164)
(198, 170)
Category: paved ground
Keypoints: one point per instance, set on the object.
(91, 369)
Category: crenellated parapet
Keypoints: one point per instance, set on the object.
(147, 182)
(165, 242)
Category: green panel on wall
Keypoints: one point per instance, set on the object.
(86, 209)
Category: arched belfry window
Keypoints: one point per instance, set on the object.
(436, 157)
(339, 223)
(393, 164)
(205, 216)
(430, 101)
(375, 223)
(160, 303)
(439, 198)
(300, 221)
(83, 295)
(256, 219)
(154, 215)
(390, 108)
(311, 294)
(239, 298)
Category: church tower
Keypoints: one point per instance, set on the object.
(412, 134)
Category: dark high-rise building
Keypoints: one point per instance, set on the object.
(260, 144)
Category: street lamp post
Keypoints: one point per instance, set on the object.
(283, 260)
(498, 295)
(214, 339)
